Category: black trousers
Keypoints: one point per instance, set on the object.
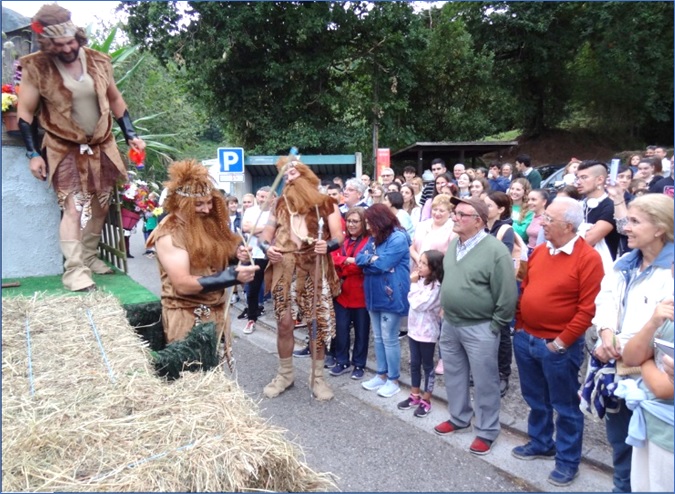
(254, 289)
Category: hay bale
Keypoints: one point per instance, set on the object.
(76, 418)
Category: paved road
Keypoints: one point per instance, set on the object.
(364, 440)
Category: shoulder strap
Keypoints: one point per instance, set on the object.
(502, 231)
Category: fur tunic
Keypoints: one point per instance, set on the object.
(63, 136)
(291, 281)
(178, 311)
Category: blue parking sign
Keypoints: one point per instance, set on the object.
(231, 160)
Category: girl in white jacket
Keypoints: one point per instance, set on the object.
(424, 327)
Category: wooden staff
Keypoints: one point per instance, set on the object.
(228, 336)
(318, 272)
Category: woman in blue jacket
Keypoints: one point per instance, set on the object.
(385, 261)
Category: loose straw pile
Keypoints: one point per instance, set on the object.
(86, 412)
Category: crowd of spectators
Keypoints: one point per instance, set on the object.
(489, 267)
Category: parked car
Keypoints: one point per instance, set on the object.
(552, 176)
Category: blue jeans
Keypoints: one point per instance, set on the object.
(616, 425)
(386, 326)
(341, 344)
(550, 381)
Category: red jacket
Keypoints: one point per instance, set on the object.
(352, 295)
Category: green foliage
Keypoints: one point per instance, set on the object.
(129, 67)
(197, 351)
(455, 97)
(623, 73)
(332, 77)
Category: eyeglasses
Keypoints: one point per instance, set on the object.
(461, 215)
(547, 219)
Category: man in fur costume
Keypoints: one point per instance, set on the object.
(73, 92)
(195, 249)
(292, 243)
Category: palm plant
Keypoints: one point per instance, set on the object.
(118, 57)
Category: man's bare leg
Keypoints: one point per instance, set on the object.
(285, 338)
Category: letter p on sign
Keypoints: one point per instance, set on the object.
(231, 160)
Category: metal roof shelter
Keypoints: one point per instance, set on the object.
(420, 154)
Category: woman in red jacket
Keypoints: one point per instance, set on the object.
(350, 305)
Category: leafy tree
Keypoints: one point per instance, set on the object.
(532, 43)
(623, 71)
(456, 97)
(264, 68)
(343, 77)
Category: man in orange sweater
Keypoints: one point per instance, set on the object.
(554, 311)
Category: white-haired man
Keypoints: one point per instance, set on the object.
(556, 308)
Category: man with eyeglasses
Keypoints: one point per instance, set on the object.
(599, 225)
(556, 308)
(437, 168)
(387, 175)
(478, 298)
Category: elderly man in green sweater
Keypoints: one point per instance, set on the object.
(478, 296)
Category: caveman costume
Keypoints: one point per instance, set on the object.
(291, 282)
(299, 212)
(79, 150)
(211, 247)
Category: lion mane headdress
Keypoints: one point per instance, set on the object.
(208, 240)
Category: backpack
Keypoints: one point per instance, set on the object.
(518, 253)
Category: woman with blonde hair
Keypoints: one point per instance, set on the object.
(417, 185)
(520, 213)
(376, 194)
(434, 233)
(628, 297)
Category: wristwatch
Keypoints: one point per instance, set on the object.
(32, 154)
(558, 348)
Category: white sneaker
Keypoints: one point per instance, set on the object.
(250, 327)
(389, 389)
(376, 382)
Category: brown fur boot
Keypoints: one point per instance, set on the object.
(282, 381)
(320, 389)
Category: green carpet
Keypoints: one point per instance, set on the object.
(119, 284)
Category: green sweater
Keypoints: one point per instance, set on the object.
(481, 287)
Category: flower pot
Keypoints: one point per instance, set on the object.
(129, 219)
(11, 121)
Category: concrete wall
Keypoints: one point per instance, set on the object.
(30, 218)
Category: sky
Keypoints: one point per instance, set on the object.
(83, 13)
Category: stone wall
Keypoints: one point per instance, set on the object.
(30, 218)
